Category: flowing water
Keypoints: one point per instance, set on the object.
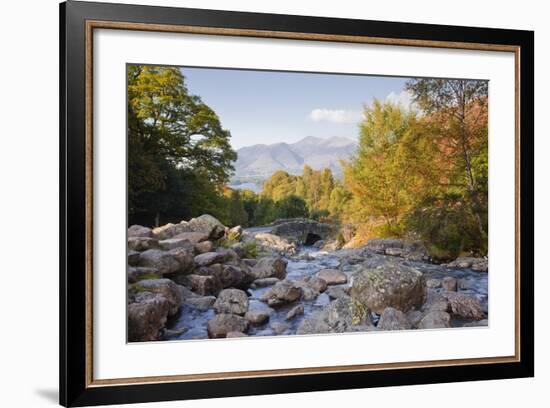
(191, 322)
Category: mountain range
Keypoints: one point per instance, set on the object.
(257, 162)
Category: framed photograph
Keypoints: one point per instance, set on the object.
(257, 204)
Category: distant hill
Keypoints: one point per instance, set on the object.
(257, 162)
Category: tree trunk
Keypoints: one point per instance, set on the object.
(472, 188)
(474, 202)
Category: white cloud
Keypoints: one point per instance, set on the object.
(404, 98)
(335, 116)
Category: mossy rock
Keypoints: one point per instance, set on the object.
(389, 285)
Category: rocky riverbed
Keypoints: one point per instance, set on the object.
(199, 280)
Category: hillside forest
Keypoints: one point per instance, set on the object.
(417, 173)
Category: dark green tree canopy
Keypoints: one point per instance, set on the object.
(177, 147)
(177, 126)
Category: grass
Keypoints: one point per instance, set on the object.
(441, 254)
(250, 249)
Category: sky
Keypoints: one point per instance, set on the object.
(272, 106)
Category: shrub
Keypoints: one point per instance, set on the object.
(250, 249)
(447, 228)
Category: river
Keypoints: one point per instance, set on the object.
(191, 323)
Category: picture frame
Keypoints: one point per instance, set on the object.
(79, 21)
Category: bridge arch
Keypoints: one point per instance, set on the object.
(304, 231)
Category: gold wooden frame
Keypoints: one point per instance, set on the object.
(100, 24)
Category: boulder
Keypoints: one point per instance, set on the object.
(230, 255)
(337, 292)
(209, 258)
(214, 270)
(222, 324)
(394, 251)
(185, 258)
(319, 244)
(282, 293)
(435, 320)
(203, 285)
(465, 306)
(415, 251)
(449, 284)
(172, 243)
(414, 317)
(341, 315)
(233, 276)
(332, 245)
(261, 283)
(275, 243)
(269, 267)
(308, 292)
(137, 273)
(165, 287)
(393, 319)
(295, 311)
(249, 261)
(202, 303)
(318, 284)
(389, 285)
(482, 265)
(332, 276)
(142, 243)
(203, 247)
(207, 225)
(439, 304)
(233, 301)
(235, 233)
(433, 283)
(256, 317)
(133, 258)
(170, 230)
(187, 293)
(466, 262)
(139, 231)
(192, 237)
(244, 249)
(147, 317)
(380, 245)
(164, 262)
(279, 327)
(235, 334)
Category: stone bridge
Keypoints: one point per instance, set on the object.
(303, 231)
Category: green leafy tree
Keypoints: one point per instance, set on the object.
(237, 212)
(250, 203)
(339, 199)
(173, 138)
(265, 211)
(291, 207)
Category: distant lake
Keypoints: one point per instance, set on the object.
(246, 186)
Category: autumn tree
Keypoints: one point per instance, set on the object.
(456, 112)
(382, 175)
(279, 186)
